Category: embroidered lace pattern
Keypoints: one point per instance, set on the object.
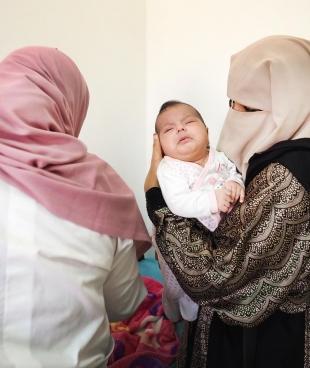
(256, 262)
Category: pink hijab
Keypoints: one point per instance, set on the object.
(43, 103)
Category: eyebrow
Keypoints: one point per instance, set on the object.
(190, 116)
(169, 124)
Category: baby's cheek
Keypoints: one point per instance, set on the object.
(165, 145)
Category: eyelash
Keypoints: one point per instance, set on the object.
(249, 109)
(168, 130)
(188, 122)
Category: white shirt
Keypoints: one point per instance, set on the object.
(189, 189)
(60, 286)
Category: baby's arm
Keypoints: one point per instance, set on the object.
(179, 197)
(234, 184)
(224, 198)
(235, 190)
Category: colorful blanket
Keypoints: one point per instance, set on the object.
(148, 339)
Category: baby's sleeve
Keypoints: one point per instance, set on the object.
(232, 172)
(180, 199)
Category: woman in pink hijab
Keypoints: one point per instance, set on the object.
(68, 222)
(251, 277)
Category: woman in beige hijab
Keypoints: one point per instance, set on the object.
(251, 277)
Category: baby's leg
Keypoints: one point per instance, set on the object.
(171, 294)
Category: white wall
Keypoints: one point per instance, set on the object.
(189, 44)
(107, 41)
(135, 54)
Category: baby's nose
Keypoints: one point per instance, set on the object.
(180, 127)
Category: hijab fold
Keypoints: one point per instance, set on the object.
(43, 103)
(272, 75)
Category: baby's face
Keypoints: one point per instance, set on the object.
(182, 134)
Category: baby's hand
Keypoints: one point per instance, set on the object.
(224, 199)
(236, 191)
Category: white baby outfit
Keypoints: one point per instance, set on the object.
(189, 191)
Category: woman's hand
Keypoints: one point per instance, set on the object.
(151, 177)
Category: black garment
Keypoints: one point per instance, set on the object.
(293, 154)
(278, 342)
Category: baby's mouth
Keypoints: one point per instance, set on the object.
(184, 140)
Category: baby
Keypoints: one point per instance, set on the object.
(196, 181)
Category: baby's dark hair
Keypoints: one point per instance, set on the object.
(172, 103)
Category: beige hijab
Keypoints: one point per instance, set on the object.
(272, 75)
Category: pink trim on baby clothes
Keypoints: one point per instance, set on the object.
(213, 202)
(204, 170)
